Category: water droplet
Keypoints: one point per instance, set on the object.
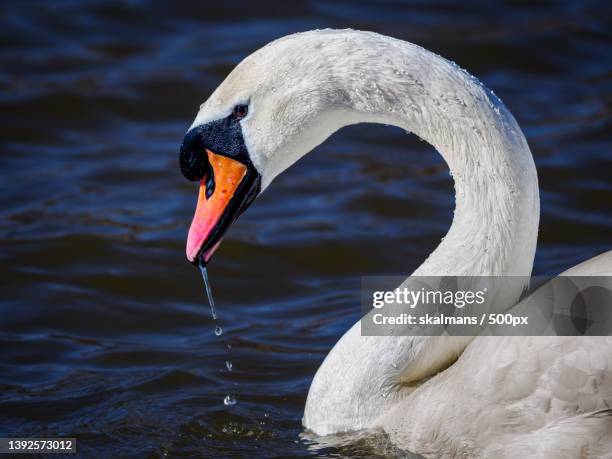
(229, 365)
(229, 400)
(211, 300)
(394, 365)
(218, 330)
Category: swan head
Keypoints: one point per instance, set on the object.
(274, 107)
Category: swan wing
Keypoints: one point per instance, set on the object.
(600, 265)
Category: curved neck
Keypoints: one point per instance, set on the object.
(494, 228)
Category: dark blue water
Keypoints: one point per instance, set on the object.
(105, 334)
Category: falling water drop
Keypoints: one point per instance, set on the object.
(211, 301)
(229, 400)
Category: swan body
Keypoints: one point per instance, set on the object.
(526, 395)
(508, 397)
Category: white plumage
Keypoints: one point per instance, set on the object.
(541, 396)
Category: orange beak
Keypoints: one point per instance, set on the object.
(224, 193)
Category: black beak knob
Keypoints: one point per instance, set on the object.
(193, 159)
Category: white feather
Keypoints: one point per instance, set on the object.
(531, 393)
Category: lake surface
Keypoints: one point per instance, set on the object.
(105, 333)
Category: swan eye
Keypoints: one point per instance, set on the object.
(240, 111)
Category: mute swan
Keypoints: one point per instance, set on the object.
(503, 396)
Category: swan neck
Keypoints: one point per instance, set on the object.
(494, 227)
